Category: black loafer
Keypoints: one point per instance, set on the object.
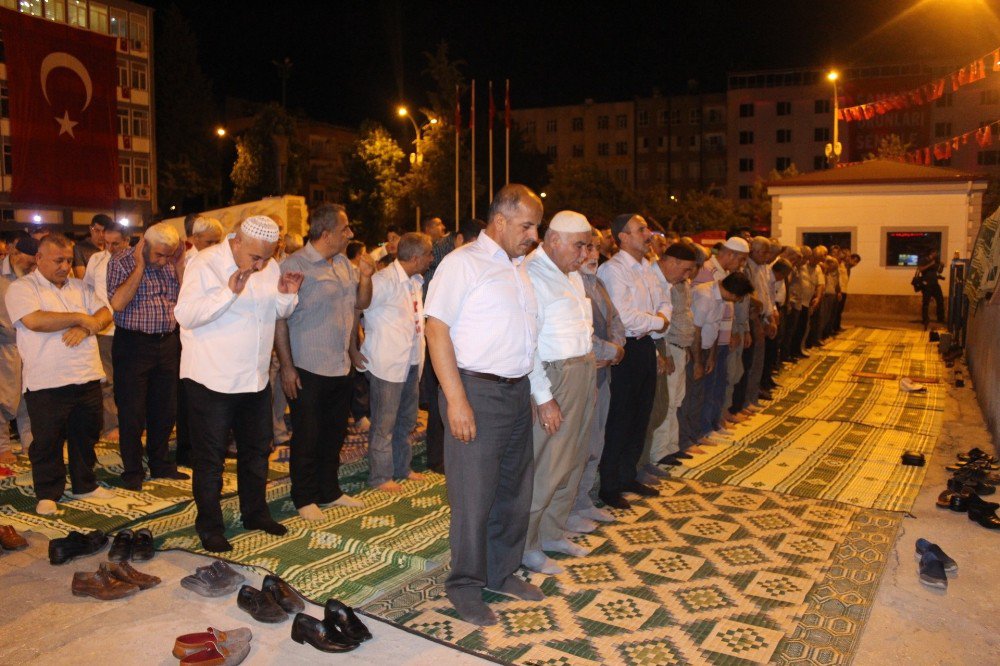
(924, 546)
(283, 594)
(142, 548)
(121, 547)
(341, 617)
(75, 545)
(307, 629)
(260, 605)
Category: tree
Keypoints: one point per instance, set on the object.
(186, 158)
(755, 212)
(587, 189)
(375, 185)
(697, 211)
(256, 172)
(890, 147)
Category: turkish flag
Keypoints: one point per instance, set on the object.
(64, 144)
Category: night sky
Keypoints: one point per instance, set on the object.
(355, 60)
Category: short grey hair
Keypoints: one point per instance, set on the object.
(324, 218)
(760, 243)
(413, 244)
(203, 224)
(162, 233)
(511, 197)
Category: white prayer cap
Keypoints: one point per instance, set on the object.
(737, 244)
(567, 221)
(260, 227)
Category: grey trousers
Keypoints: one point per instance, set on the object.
(756, 369)
(279, 403)
(734, 363)
(394, 413)
(597, 422)
(661, 408)
(108, 387)
(561, 457)
(489, 485)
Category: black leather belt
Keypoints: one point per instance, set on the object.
(491, 378)
(155, 336)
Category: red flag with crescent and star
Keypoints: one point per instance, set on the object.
(63, 108)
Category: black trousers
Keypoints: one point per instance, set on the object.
(360, 395)
(931, 291)
(146, 369)
(74, 414)
(212, 416)
(786, 332)
(740, 388)
(815, 322)
(797, 344)
(319, 422)
(435, 425)
(183, 429)
(633, 385)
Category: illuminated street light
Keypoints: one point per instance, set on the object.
(124, 222)
(416, 157)
(220, 132)
(541, 194)
(402, 111)
(37, 219)
(833, 148)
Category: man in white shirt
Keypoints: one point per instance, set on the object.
(19, 262)
(482, 332)
(96, 277)
(56, 317)
(229, 300)
(635, 291)
(563, 384)
(205, 232)
(316, 346)
(393, 354)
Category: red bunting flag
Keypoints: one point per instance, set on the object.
(64, 141)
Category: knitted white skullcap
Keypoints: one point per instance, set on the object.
(568, 221)
(737, 244)
(260, 227)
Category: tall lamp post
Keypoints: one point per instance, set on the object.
(221, 133)
(416, 157)
(833, 148)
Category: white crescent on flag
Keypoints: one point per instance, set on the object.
(61, 59)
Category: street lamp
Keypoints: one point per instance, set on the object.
(220, 132)
(416, 157)
(833, 148)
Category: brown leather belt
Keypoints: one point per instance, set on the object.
(491, 378)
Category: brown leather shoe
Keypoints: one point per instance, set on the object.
(101, 585)
(126, 573)
(10, 539)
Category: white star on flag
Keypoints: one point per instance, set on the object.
(66, 125)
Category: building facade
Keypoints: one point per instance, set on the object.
(598, 133)
(131, 25)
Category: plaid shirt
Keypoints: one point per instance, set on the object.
(152, 308)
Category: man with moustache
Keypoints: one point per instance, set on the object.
(637, 295)
(481, 331)
(562, 387)
(230, 297)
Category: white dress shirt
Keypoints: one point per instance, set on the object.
(635, 291)
(96, 277)
(763, 285)
(565, 319)
(190, 254)
(226, 339)
(708, 309)
(394, 324)
(48, 362)
(487, 301)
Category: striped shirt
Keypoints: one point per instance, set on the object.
(151, 310)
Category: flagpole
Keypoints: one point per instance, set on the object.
(506, 122)
(491, 141)
(472, 131)
(458, 136)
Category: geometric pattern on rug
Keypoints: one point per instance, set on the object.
(702, 574)
(831, 435)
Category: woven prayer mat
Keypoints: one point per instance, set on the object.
(703, 574)
(829, 434)
(353, 554)
(17, 498)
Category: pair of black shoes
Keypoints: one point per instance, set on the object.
(128, 545)
(272, 603)
(340, 630)
(76, 544)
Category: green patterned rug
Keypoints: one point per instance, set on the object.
(702, 574)
(830, 434)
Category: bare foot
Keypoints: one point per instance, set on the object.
(415, 476)
(390, 487)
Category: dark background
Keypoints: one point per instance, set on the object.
(356, 60)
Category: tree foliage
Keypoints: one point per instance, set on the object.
(375, 183)
(588, 189)
(255, 173)
(890, 147)
(185, 153)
